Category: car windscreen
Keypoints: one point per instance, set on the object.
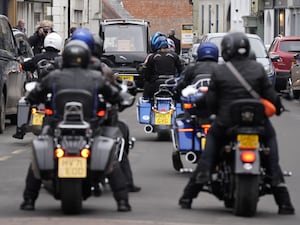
(290, 46)
(256, 46)
(124, 38)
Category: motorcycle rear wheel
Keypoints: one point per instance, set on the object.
(176, 159)
(71, 196)
(246, 195)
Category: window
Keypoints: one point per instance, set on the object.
(6, 38)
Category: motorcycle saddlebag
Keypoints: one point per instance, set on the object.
(143, 111)
(103, 151)
(42, 155)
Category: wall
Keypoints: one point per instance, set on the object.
(162, 14)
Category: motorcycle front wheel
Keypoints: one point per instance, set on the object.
(246, 195)
(71, 196)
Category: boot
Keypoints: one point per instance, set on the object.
(123, 206)
(134, 188)
(27, 204)
(185, 203)
(190, 191)
(282, 199)
(19, 134)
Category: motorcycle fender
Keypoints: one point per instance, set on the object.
(103, 151)
(247, 168)
(42, 154)
(110, 131)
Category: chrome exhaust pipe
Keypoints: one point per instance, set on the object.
(148, 129)
(191, 157)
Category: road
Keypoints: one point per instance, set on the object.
(161, 185)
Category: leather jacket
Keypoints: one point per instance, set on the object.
(224, 88)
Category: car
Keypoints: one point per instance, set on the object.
(126, 45)
(193, 52)
(257, 46)
(281, 52)
(12, 78)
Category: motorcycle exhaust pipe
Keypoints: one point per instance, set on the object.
(191, 157)
(148, 129)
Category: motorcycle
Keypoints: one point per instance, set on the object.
(158, 114)
(76, 153)
(190, 128)
(239, 178)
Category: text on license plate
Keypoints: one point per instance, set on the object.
(37, 119)
(248, 140)
(162, 119)
(72, 167)
(125, 77)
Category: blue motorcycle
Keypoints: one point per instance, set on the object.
(190, 128)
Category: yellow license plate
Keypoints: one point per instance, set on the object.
(37, 119)
(72, 167)
(248, 140)
(162, 119)
(126, 77)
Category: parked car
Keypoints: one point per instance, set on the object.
(12, 77)
(281, 52)
(257, 46)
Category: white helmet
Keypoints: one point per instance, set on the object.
(53, 40)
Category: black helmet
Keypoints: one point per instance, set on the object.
(76, 54)
(234, 45)
(98, 46)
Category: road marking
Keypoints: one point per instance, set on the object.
(5, 157)
(18, 151)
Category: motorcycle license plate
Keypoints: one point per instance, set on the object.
(72, 167)
(37, 119)
(162, 119)
(126, 77)
(248, 140)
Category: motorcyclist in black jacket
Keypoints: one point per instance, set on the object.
(160, 65)
(53, 44)
(75, 74)
(207, 59)
(223, 90)
(96, 46)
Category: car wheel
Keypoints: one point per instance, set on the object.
(2, 114)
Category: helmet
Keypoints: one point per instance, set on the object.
(235, 45)
(83, 34)
(76, 54)
(208, 50)
(171, 43)
(53, 40)
(158, 41)
(98, 46)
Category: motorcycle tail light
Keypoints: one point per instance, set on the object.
(187, 105)
(85, 153)
(248, 156)
(101, 113)
(205, 128)
(185, 129)
(59, 152)
(34, 110)
(48, 112)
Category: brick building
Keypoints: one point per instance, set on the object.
(162, 14)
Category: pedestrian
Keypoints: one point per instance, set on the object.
(176, 41)
(21, 26)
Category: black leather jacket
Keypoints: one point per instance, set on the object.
(74, 78)
(224, 88)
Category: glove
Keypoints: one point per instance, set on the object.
(279, 107)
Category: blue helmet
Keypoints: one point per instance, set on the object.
(83, 34)
(208, 50)
(158, 41)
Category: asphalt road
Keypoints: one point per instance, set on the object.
(161, 185)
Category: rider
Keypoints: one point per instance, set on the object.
(223, 90)
(53, 44)
(160, 65)
(207, 60)
(75, 74)
(95, 44)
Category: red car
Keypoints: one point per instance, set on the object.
(281, 52)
